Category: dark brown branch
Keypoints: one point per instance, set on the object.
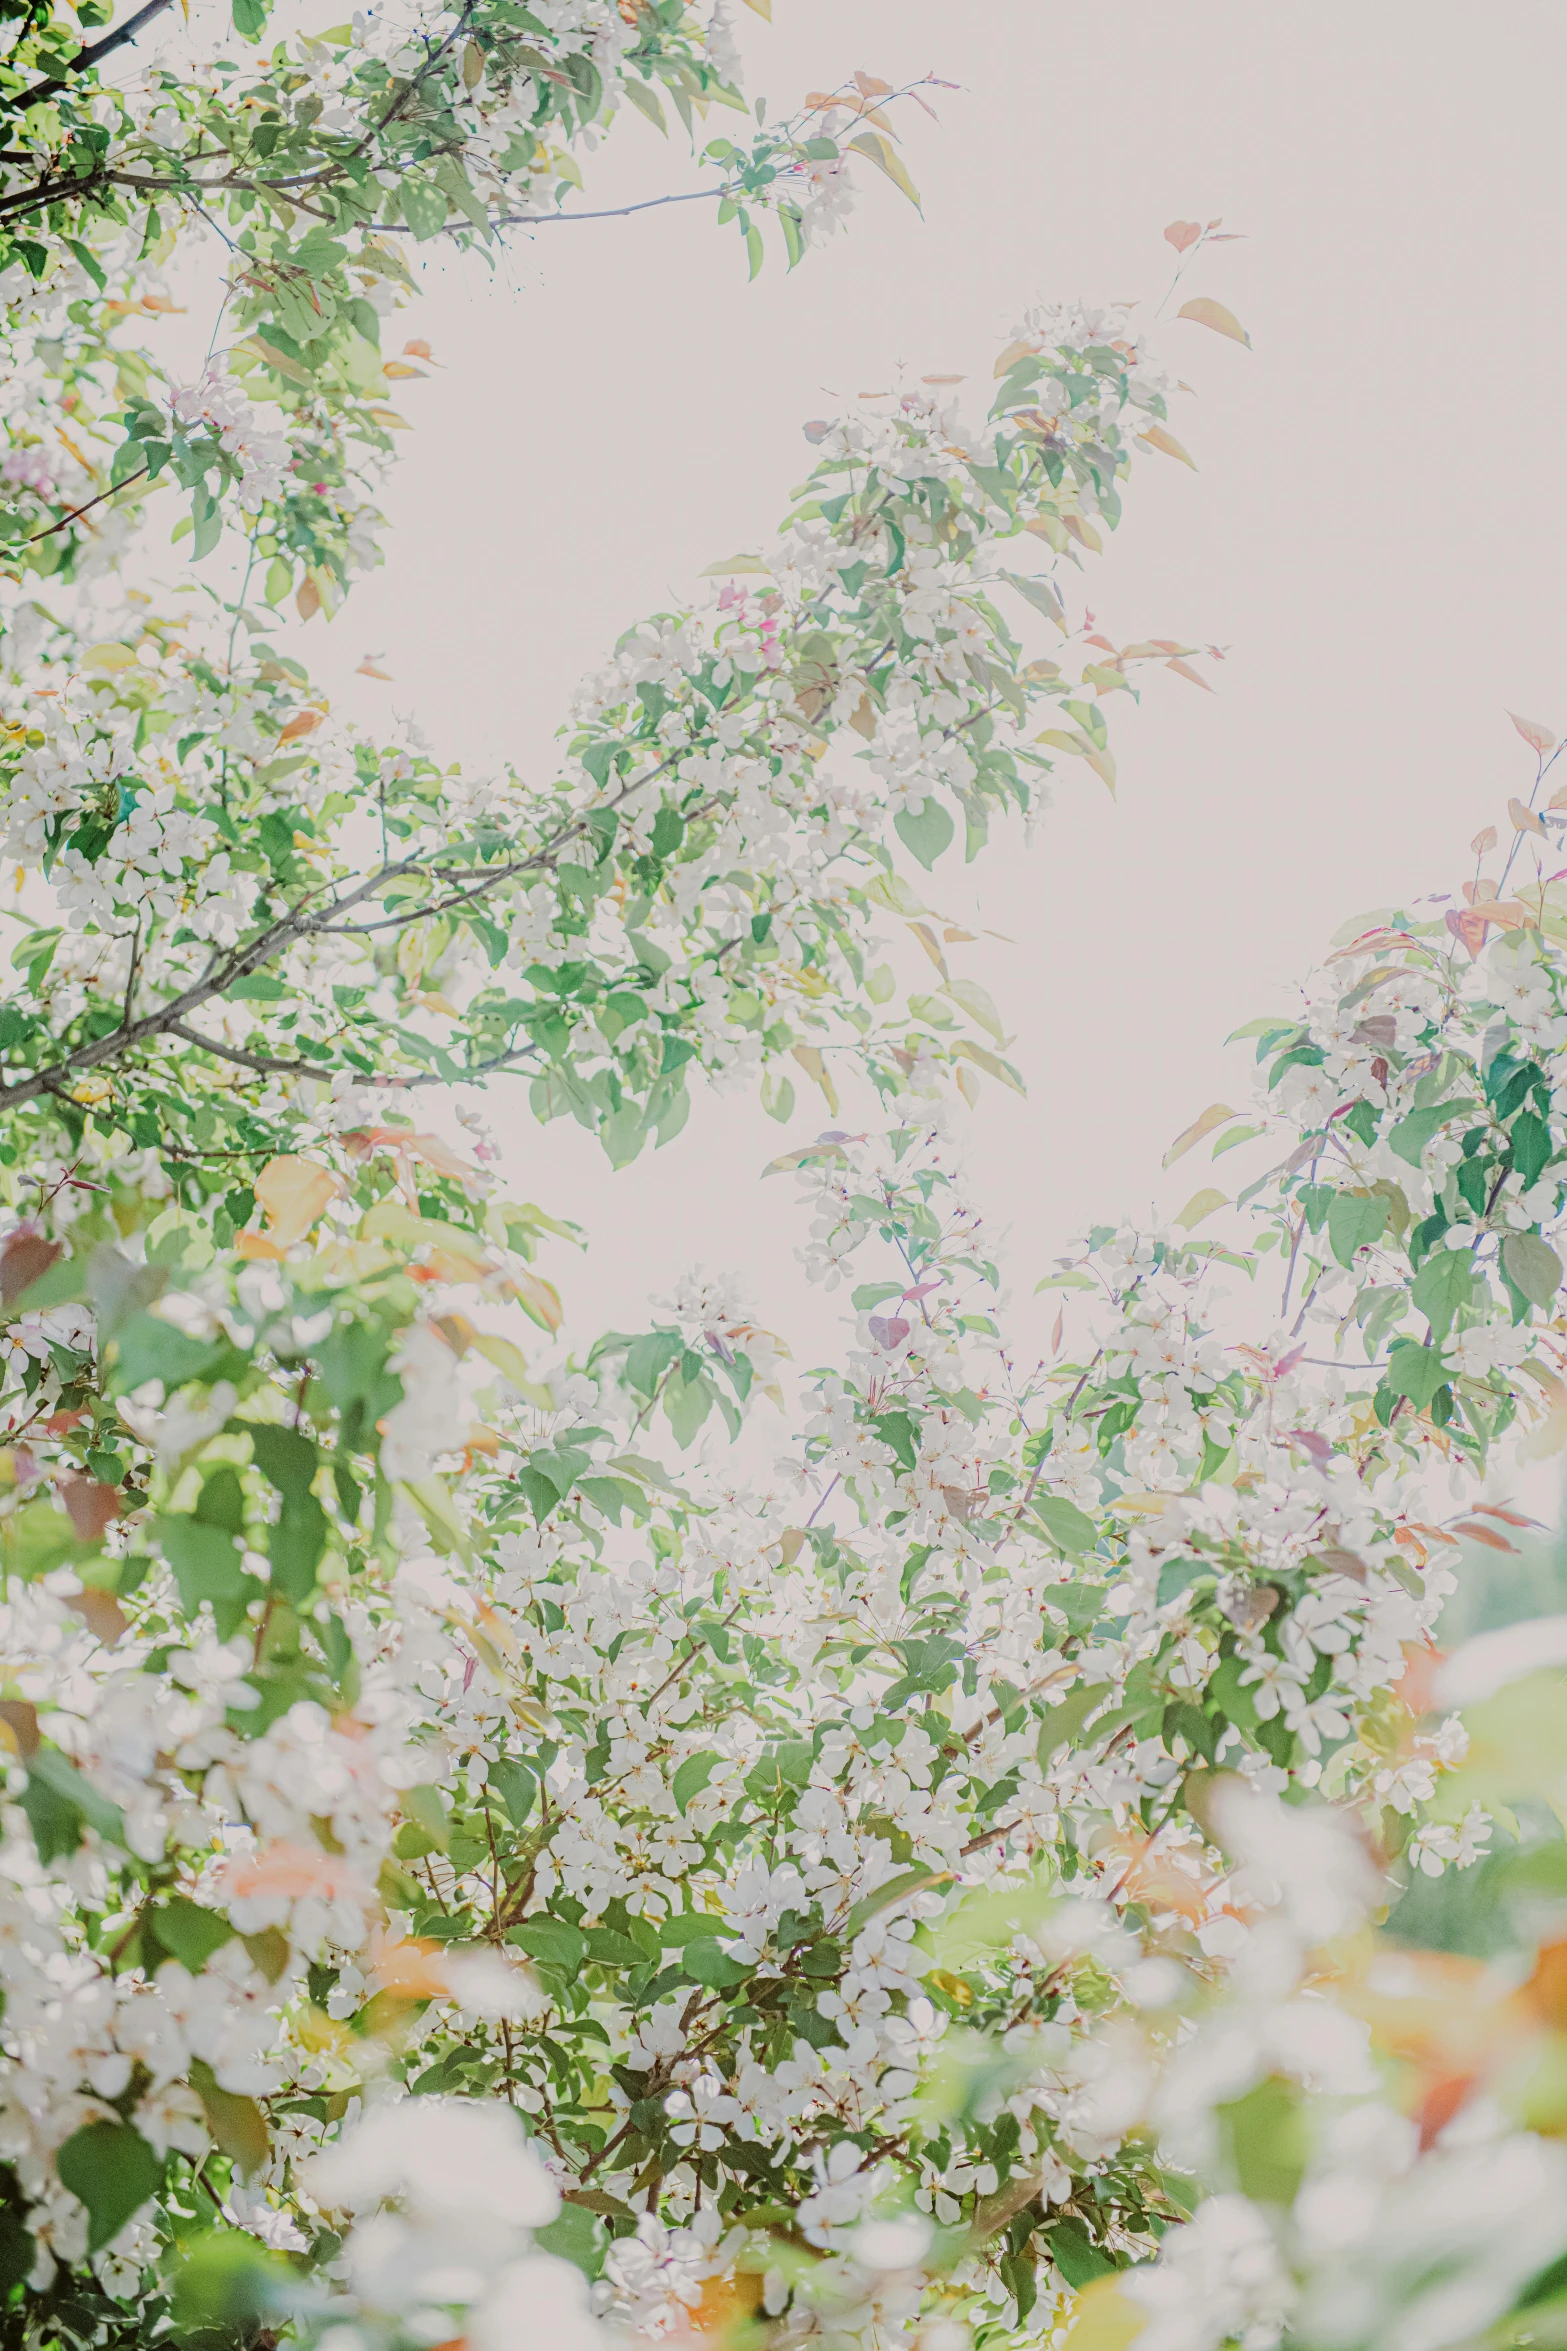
(78, 511)
(87, 58)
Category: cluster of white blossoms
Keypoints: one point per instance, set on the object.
(466, 1871)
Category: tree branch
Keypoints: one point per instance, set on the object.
(78, 511)
(86, 58)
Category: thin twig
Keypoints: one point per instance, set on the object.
(78, 511)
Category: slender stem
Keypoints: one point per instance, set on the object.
(78, 511)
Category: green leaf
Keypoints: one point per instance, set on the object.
(1531, 1146)
(207, 1566)
(37, 1539)
(706, 1964)
(48, 1767)
(150, 1349)
(576, 2235)
(646, 102)
(1410, 1137)
(687, 1404)
(1079, 2261)
(1444, 1283)
(1064, 1721)
(1355, 1220)
(1533, 1266)
(250, 18)
(692, 1776)
(187, 1932)
(1414, 1371)
(1070, 1529)
(114, 2172)
(516, 1787)
(1264, 2137)
(237, 2124)
(552, 1941)
(285, 1456)
(927, 831)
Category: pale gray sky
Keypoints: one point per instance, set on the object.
(1373, 531)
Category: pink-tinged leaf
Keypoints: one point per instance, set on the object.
(1486, 1535)
(1538, 738)
(1184, 669)
(943, 379)
(1203, 311)
(1183, 234)
(1214, 1116)
(1058, 1331)
(1010, 357)
(889, 1330)
(1484, 841)
(89, 1506)
(924, 1290)
(1524, 819)
(1315, 1446)
(1512, 1518)
(25, 1257)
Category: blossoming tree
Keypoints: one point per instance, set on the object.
(465, 1873)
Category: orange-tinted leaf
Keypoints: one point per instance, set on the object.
(1184, 669)
(1157, 438)
(1538, 738)
(1485, 840)
(810, 1059)
(1214, 1116)
(294, 1191)
(1203, 311)
(539, 1299)
(1183, 234)
(303, 722)
(18, 1727)
(308, 601)
(89, 1506)
(101, 1613)
(1524, 819)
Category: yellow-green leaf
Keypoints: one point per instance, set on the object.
(886, 158)
(1157, 438)
(979, 1004)
(991, 1063)
(1200, 1205)
(1205, 312)
(646, 102)
(1214, 1116)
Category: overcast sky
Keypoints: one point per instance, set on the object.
(1373, 532)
